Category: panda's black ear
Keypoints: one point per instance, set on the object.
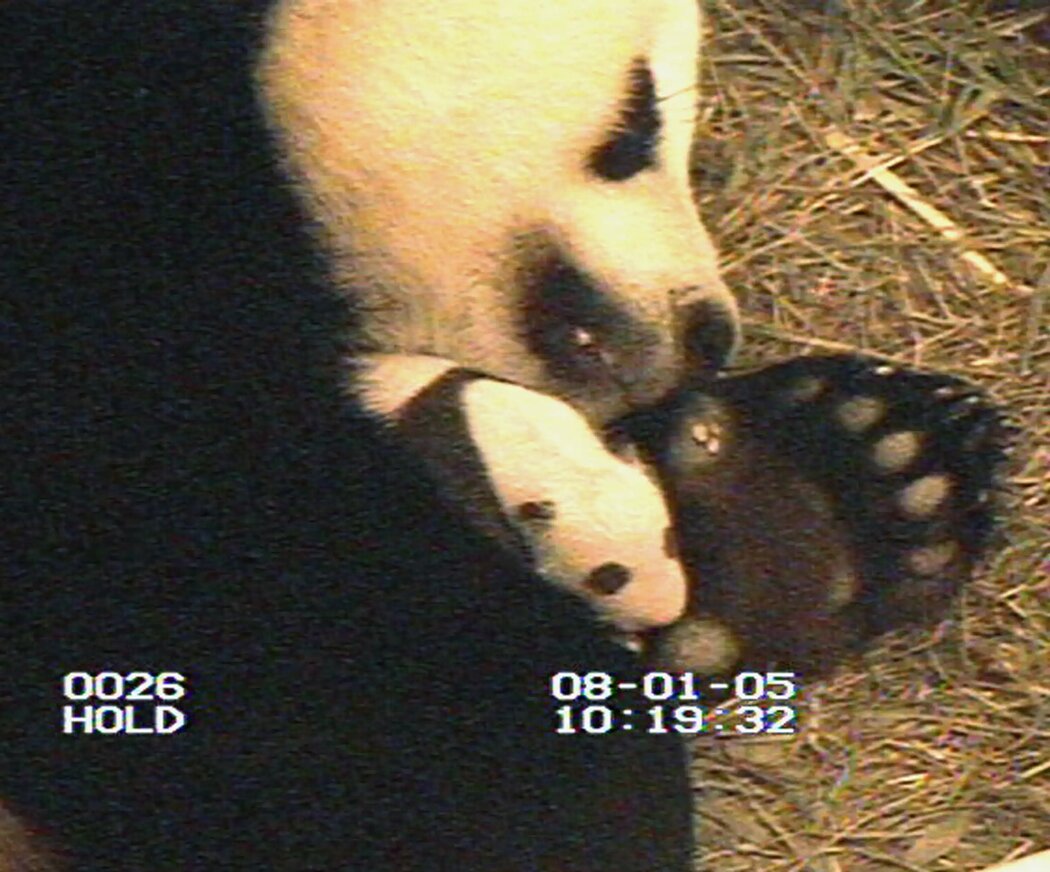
(825, 500)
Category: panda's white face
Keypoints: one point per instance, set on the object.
(505, 184)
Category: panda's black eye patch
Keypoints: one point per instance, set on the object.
(631, 147)
(607, 579)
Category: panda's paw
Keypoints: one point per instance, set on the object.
(909, 460)
(822, 501)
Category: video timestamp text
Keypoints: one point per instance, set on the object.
(594, 703)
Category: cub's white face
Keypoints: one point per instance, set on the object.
(506, 184)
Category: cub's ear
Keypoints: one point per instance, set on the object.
(527, 470)
(824, 501)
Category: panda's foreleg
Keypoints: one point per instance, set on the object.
(528, 471)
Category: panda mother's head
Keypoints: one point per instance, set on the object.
(506, 184)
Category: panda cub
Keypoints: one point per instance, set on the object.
(528, 471)
(813, 504)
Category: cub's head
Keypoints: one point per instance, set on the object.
(506, 184)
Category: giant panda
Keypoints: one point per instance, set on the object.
(210, 208)
(216, 214)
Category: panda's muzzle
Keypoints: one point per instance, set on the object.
(707, 329)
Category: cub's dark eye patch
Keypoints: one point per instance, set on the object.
(537, 510)
(631, 147)
(608, 578)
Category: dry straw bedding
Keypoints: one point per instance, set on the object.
(877, 175)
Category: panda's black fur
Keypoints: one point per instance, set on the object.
(186, 487)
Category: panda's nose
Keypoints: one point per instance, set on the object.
(709, 330)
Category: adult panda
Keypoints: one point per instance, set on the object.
(208, 206)
(227, 214)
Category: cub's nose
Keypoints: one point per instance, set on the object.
(709, 331)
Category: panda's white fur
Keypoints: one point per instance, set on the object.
(592, 523)
(442, 147)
